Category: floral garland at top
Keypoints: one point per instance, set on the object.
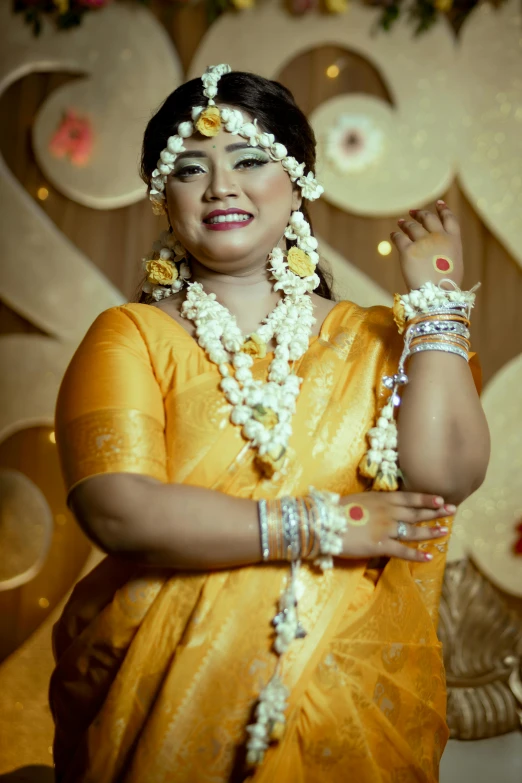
(423, 13)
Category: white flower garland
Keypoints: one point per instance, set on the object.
(219, 335)
(270, 718)
(333, 526)
(430, 296)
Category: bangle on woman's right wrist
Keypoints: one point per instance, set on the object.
(306, 528)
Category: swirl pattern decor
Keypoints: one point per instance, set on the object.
(26, 527)
(56, 288)
(447, 117)
(45, 278)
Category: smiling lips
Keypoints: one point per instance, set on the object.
(227, 219)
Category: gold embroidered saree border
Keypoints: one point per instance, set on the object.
(112, 441)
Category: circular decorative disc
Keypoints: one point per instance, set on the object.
(443, 264)
(356, 514)
(26, 526)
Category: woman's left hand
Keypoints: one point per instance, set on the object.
(429, 246)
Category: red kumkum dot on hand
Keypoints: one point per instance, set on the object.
(356, 513)
(442, 264)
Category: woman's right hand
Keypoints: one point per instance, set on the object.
(375, 529)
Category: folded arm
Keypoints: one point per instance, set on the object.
(443, 434)
(172, 525)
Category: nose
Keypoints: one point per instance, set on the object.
(222, 184)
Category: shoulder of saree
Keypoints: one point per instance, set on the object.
(110, 410)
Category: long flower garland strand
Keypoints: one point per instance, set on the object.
(269, 717)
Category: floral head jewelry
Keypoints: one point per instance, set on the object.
(295, 271)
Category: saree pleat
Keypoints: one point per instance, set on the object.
(157, 671)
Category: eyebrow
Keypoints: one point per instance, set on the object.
(199, 154)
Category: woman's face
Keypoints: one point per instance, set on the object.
(224, 174)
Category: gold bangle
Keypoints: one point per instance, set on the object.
(275, 530)
(440, 317)
(450, 339)
(314, 521)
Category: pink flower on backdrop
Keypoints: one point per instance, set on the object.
(73, 138)
(302, 6)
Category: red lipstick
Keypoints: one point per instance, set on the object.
(227, 225)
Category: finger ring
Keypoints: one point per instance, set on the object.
(402, 530)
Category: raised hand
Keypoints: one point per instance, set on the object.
(380, 524)
(429, 246)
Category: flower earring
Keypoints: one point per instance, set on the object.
(167, 267)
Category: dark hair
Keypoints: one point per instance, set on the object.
(268, 101)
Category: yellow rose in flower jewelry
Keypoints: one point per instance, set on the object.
(271, 462)
(267, 416)
(161, 271)
(443, 5)
(300, 262)
(254, 347)
(242, 4)
(399, 315)
(209, 121)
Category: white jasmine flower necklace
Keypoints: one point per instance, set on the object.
(263, 409)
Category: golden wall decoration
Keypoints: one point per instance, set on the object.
(449, 115)
(490, 96)
(26, 527)
(128, 65)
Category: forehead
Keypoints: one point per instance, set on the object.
(224, 141)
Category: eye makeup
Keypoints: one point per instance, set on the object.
(252, 158)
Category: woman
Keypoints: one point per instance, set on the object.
(172, 450)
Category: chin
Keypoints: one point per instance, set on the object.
(227, 253)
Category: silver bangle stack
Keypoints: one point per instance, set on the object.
(306, 528)
(439, 329)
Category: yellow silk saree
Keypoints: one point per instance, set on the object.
(157, 671)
